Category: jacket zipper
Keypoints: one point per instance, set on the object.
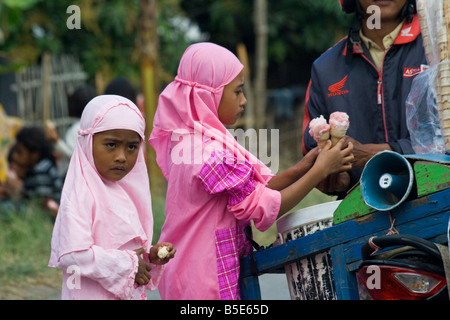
(380, 90)
(380, 98)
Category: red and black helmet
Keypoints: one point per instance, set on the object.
(348, 6)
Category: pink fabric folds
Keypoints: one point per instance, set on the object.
(189, 105)
(95, 211)
(223, 173)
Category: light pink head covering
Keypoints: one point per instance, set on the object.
(96, 211)
(190, 103)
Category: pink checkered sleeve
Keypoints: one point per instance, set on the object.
(223, 172)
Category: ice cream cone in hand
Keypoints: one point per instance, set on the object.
(322, 141)
(339, 124)
(319, 129)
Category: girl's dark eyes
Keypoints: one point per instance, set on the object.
(112, 145)
(132, 147)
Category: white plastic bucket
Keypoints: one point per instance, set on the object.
(310, 278)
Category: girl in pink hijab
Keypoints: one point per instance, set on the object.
(215, 186)
(103, 231)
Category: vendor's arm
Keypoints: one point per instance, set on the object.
(363, 152)
(339, 182)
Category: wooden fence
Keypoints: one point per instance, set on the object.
(42, 90)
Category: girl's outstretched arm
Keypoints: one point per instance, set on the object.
(329, 161)
(288, 177)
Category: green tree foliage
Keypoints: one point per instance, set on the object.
(227, 22)
(106, 41)
(308, 26)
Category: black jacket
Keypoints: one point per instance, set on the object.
(374, 101)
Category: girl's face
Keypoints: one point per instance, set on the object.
(233, 100)
(115, 152)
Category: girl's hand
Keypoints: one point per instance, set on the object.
(335, 159)
(143, 274)
(308, 160)
(153, 254)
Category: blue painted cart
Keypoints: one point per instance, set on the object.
(426, 216)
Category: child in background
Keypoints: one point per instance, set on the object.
(121, 87)
(215, 187)
(124, 88)
(77, 101)
(32, 154)
(11, 188)
(64, 147)
(103, 231)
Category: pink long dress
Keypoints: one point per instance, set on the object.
(215, 186)
(206, 230)
(100, 223)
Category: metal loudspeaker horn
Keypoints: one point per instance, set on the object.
(386, 180)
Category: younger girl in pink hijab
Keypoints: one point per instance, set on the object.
(215, 187)
(103, 231)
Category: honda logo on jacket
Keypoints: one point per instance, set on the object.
(335, 89)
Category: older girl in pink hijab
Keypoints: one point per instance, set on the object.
(215, 187)
(103, 231)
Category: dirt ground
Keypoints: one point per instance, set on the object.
(47, 287)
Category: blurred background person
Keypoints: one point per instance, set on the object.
(33, 156)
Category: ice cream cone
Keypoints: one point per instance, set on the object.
(336, 135)
(319, 129)
(322, 140)
(339, 124)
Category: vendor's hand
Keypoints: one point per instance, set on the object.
(363, 152)
(337, 182)
(153, 254)
(143, 274)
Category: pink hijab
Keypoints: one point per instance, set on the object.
(190, 104)
(95, 211)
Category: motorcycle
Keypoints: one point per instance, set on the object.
(406, 268)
